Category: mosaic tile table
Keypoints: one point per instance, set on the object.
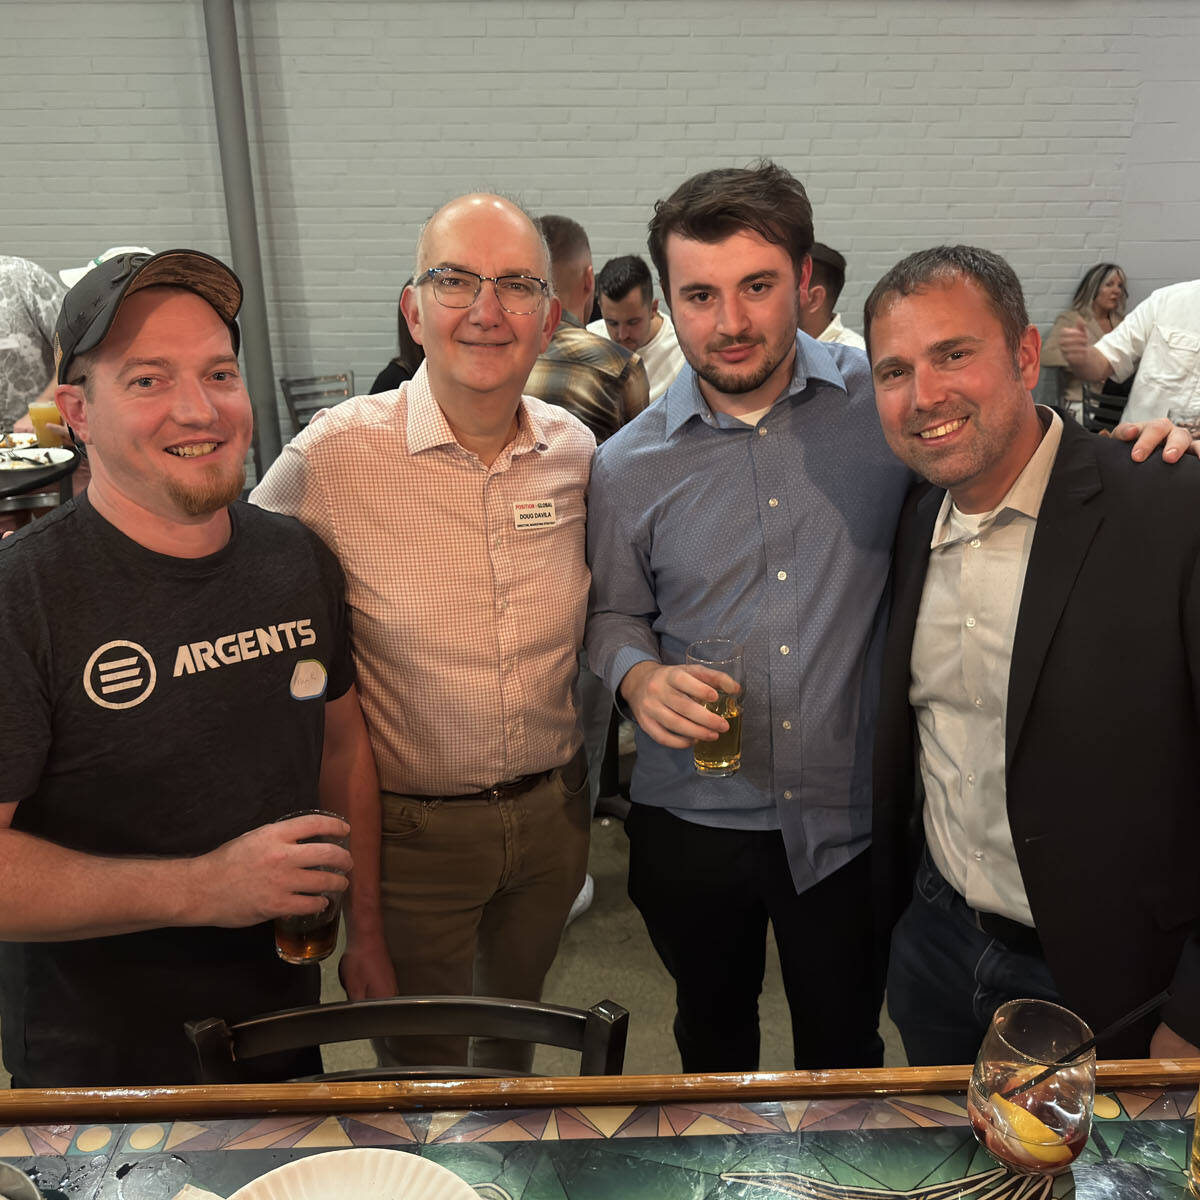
(917, 1146)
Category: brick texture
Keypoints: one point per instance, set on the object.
(1057, 133)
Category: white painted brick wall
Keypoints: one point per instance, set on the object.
(1058, 133)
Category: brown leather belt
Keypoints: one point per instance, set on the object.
(504, 791)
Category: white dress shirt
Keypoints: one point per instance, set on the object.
(835, 331)
(661, 355)
(960, 663)
(1161, 339)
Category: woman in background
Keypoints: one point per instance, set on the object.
(404, 365)
(1099, 305)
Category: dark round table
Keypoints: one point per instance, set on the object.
(24, 480)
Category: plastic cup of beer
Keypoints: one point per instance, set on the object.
(44, 413)
(724, 756)
(311, 937)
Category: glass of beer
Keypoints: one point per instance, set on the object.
(44, 413)
(311, 937)
(1038, 1130)
(724, 756)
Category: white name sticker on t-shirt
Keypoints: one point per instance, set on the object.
(309, 680)
(533, 514)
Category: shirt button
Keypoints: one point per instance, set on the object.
(787, 795)
(978, 856)
(787, 724)
(772, 503)
(970, 622)
(785, 650)
(781, 575)
(978, 701)
(762, 431)
(974, 543)
(971, 779)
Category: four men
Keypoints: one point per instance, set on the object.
(1052, 866)
(469, 703)
(456, 509)
(177, 682)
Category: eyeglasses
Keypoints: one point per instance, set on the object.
(455, 288)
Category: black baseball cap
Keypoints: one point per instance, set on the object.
(89, 308)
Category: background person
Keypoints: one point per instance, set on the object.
(1099, 305)
(404, 365)
(818, 317)
(601, 383)
(1160, 340)
(630, 317)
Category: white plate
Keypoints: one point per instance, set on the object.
(43, 456)
(18, 440)
(359, 1174)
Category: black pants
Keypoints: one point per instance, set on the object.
(706, 896)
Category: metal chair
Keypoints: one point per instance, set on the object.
(599, 1033)
(304, 397)
(1101, 411)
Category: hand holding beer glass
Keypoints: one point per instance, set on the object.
(718, 662)
(311, 937)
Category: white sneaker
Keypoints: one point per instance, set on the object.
(584, 900)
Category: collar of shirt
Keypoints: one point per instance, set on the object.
(684, 400)
(1024, 497)
(427, 426)
(830, 332)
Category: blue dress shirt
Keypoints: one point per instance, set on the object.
(778, 536)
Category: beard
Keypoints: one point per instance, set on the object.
(730, 382)
(217, 491)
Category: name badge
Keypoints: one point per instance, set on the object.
(533, 514)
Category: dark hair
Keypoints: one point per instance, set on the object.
(918, 271)
(566, 238)
(828, 271)
(709, 207)
(412, 353)
(619, 276)
(1090, 285)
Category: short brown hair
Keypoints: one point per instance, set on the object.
(764, 199)
(944, 264)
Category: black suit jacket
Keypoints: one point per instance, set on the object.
(1101, 745)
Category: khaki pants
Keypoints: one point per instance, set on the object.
(475, 896)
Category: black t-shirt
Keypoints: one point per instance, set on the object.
(157, 706)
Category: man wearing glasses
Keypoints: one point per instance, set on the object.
(456, 507)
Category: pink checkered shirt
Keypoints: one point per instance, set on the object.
(468, 591)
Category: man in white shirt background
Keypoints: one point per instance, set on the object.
(631, 318)
(818, 317)
(1160, 340)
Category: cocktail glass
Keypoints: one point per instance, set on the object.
(1043, 1129)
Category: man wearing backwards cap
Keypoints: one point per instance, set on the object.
(177, 681)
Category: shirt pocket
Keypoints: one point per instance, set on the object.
(1181, 352)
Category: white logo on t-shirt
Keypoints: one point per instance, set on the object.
(119, 675)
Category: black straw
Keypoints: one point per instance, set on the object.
(1079, 1051)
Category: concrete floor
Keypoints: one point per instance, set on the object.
(606, 955)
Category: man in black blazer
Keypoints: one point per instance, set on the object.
(1035, 764)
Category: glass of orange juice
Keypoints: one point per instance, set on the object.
(44, 413)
